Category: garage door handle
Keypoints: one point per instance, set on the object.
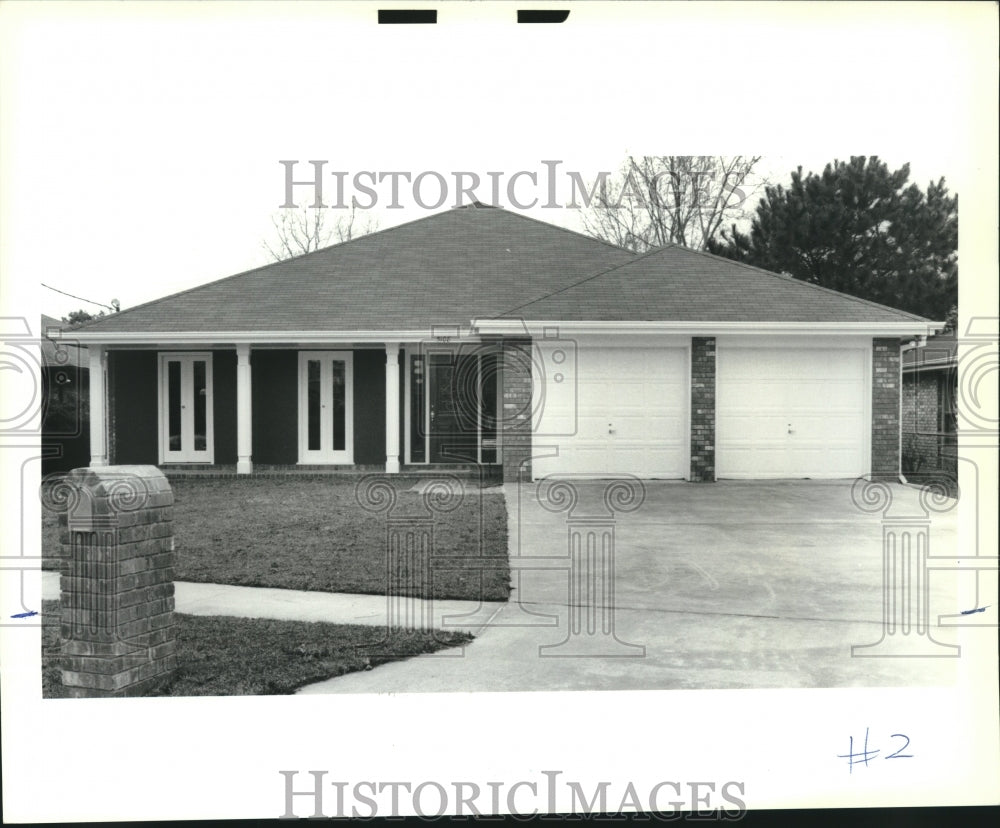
(790, 429)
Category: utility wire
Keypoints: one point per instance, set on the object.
(89, 301)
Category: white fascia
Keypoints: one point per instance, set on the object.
(290, 338)
(542, 328)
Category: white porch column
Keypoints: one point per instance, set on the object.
(98, 416)
(392, 408)
(244, 426)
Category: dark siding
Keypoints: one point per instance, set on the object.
(65, 424)
(224, 405)
(369, 406)
(133, 375)
(274, 385)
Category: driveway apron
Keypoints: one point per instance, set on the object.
(730, 585)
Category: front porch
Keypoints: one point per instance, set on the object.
(323, 408)
(485, 474)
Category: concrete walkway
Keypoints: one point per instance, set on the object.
(295, 605)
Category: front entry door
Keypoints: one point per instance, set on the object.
(326, 407)
(186, 408)
(452, 423)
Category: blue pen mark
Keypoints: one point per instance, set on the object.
(25, 614)
(866, 755)
(977, 609)
(855, 758)
(899, 753)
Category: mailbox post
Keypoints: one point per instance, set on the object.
(117, 588)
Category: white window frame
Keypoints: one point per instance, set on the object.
(189, 358)
(326, 456)
(424, 354)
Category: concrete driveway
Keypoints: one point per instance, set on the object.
(726, 585)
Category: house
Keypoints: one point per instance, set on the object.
(65, 393)
(480, 336)
(930, 423)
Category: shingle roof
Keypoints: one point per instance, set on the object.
(939, 351)
(61, 351)
(678, 284)
(488, 263)
(445, 269)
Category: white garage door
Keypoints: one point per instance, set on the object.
(610, 411)
(791, 413)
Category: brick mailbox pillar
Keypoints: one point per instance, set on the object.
(117, 601)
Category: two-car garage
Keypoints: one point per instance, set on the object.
(783, 408)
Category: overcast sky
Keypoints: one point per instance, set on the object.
(141, 142)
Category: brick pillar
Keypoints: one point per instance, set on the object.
(516, 416)
(885, 409)
(117, 602)
(703, 409)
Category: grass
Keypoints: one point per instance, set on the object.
(259, 657)
(310, 533)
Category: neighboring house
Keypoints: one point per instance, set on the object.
(930, 423)
(65, 399)
(478, 335)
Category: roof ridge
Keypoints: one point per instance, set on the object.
(790, 278)
(782, 276)
(247, 272)
(384, 230)
(568, 230)
(636, 258)
(587, 236)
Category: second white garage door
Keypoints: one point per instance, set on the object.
(614, 411)
(791, 412)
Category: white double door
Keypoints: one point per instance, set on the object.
(326, 407)
(186, 414)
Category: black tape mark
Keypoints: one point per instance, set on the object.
(407, 15)
(541, 16)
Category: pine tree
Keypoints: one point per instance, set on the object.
(860, 229)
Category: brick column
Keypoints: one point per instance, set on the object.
(885, 409)
(515, 422)
(703, 409)
(117, 601)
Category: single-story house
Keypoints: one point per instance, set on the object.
(930, 421)
(481, 336)
(65, 428)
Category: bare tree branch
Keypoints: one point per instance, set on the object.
(679, 199)
(302, 231)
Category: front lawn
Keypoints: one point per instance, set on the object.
(310, 533)
(258, 657)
